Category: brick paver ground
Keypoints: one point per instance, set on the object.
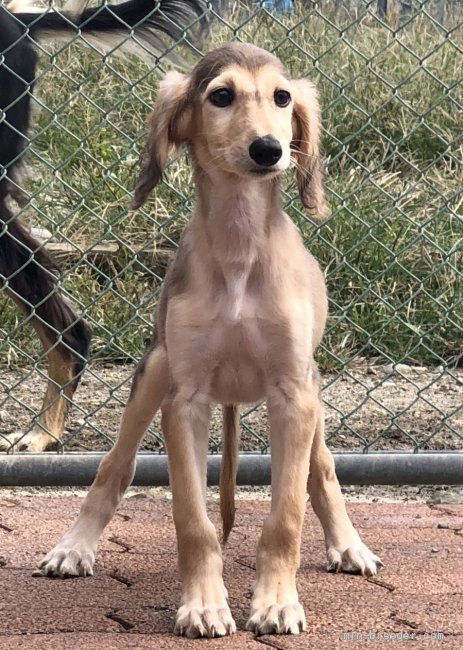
(130, 602)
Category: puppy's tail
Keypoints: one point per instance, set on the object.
(230, 449)
(109, 26)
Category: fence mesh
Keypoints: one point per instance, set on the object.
(391, 87)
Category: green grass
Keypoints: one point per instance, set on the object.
(392, 248)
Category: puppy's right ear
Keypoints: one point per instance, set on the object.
(168, 126)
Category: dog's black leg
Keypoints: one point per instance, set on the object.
(28, 275)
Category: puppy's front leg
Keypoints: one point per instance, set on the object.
(275, 606)
(74, 554)
(204, 610)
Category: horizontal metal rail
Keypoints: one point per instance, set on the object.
(380, 468)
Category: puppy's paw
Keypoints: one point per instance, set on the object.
(277, 619)
(36, 440)
(69, 559)
(209, 621)
(353, 559)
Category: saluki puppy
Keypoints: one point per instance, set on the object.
(27, 272)
(242, 309)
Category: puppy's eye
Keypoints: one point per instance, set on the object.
(282, 98)
(221, 97)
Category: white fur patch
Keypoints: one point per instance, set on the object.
(237, 290)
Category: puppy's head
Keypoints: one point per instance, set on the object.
(240, 114)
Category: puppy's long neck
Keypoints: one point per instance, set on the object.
(235, 217)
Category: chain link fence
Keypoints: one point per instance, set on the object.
(391, 86)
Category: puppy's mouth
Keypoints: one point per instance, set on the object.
(264, 171)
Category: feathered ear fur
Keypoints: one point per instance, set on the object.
(306, 148)
(168, 128)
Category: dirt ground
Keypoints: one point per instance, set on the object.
(367, 406)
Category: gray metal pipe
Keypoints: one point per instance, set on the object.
(378, 468)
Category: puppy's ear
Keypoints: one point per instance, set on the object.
(168, 126)
(306, 148)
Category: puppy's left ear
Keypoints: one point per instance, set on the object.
(306, 148)
(168, 127)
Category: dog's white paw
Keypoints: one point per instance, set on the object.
(34, 441)
(69, 559)
(277, 619)
(209, 621)
(353, 559)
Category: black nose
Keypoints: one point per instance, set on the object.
(265, 151)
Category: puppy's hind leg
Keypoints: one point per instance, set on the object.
(74, 554)
(344, 548)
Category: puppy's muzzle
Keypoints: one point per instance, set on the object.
(265, 151)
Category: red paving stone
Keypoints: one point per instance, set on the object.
(130, 602)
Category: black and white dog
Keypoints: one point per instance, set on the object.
(27, 272)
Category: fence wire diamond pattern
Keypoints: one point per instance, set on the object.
(391, 86)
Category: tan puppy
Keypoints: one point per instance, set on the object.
(242, 310)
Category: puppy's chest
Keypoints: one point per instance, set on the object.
(239, 304)
(239, 345)
(227, 338)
